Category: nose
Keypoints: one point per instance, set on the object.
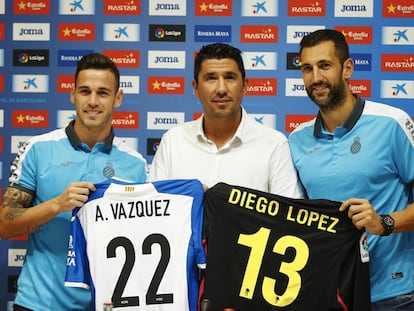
(221, 86)
(93, 98)
(316, 74)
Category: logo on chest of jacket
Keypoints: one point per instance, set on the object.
(356, 145)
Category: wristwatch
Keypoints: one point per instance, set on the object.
(387, 223)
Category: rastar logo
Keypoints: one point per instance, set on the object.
(125, 119)
(76, 32)
(356, 34)
(262, 87)
(30, 118)
(65, 83)
(124, 58)
(37, 7)
(308, 9)
(213, 8)
(258, 33)
(397, 62)
(122, 7)
(360, 87)
(292, 121)
(398, 8)
(166, 85)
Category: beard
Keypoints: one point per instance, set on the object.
(336, 96)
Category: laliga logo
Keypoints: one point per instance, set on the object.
(23, 58)
(159, 33)
(296, 61)
(155, 146)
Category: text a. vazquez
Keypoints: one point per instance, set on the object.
(134, 209)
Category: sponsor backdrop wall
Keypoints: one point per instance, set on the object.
(154, 42)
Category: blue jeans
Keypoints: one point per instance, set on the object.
(399, 303)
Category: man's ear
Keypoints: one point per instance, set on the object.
(118, 98)
(72, 95)
(348, 68)
(245, 85)
(195, 90)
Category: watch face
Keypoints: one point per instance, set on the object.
(388, 221)
(388, 224)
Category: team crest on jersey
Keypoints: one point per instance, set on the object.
(108, 170)
(356, 145)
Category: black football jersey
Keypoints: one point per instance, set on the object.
(268, 252)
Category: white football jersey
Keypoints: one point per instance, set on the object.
(138, 245)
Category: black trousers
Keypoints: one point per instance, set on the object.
(20, 308)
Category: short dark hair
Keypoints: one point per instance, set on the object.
(97, 61)
(322, 35)
(218, 51)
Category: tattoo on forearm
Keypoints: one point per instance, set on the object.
(17, 201)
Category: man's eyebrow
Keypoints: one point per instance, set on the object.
(321, 61)
(104, 89)
(99, 89)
